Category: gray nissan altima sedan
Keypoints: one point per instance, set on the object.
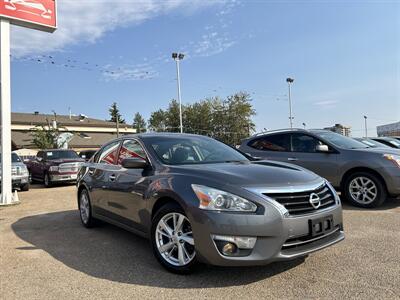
(199, 200)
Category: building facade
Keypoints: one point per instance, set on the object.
(86, 133)
(341, 129)
(392, 129)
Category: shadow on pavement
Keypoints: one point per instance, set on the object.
(114, 254)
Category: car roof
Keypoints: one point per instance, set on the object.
(287, 130)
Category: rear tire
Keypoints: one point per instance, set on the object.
(85, 210)
(172, 239)
(365, 190)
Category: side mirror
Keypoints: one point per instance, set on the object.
(134, 163)
(322, 148)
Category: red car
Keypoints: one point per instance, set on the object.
(55, 166)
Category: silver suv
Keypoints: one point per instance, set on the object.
(364, 175)
(19, 173)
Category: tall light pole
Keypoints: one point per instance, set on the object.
(290, 81)
(304, 125)
(178, 57)
(366, 128)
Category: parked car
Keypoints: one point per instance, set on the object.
(19, 173)
(364, 175)
(87, 154)
(389, 141)
(55, 166)
(199, 200)
(371, 143)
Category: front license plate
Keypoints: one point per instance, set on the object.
(74, 176)
(321, 225)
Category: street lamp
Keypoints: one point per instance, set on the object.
(304, 125)
(178, 57)
(290, 81)
(366, 128)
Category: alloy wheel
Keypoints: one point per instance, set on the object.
(363, 190)
(84, 207)
(174, 239)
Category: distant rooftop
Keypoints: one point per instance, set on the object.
(35, 119)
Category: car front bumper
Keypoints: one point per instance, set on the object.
(18, 181)
(59, 177)
(279, 237)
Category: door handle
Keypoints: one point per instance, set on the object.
(292, 159)
(112, 177)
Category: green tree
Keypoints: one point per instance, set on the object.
(229, 120)
(115, 114)
(45, 137)
(157, 121)
(139, 123)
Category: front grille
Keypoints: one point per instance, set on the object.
(298, 203)
(69, 167)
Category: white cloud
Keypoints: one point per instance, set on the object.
(87, 21)
(212, 43)
(327, 104)
(134, 72)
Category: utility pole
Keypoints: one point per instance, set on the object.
(290, 81)
(178, 57)
(117, 121)
(366, 128)
(5, 113)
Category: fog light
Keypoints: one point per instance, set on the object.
(229, 249)
(242, 242)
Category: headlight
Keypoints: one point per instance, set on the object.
(53, 169)
(213, 199)
(393, 158)
(333, 190)
(24, 171)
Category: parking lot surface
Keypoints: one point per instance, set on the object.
(47, 254)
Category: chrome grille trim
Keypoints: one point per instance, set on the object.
(297, 203)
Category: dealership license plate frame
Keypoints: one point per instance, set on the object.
(325, 225)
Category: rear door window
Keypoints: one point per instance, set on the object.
(131, 149)
(275, 142)
(109, 153)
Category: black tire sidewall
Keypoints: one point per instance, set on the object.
(48, 180)
(25, 187)
(381, 190)
(166, 209)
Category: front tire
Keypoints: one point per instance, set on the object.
(172, 239)
(85, 210)
(25, 187)
(47, 181)
(364, 189)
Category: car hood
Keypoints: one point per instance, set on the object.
(252, 174)
(63, 161)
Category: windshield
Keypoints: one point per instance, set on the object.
(194, 150)
(61, 155)
(339, 140)
(14, 158)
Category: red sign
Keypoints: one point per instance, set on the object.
(36, 14)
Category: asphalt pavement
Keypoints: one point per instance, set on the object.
(47, 254)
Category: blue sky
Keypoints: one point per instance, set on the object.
(343, 55)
